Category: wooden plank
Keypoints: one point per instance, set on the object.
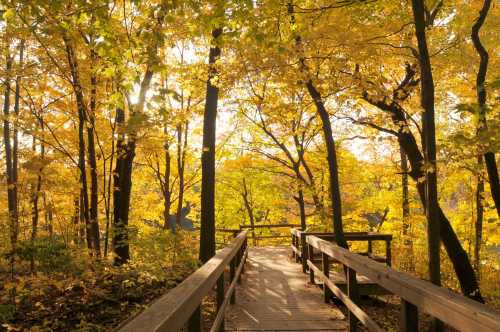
(171, 311)
(275, 297)
(453, 309)
(351, 306)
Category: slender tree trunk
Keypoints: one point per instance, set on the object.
(207, 232)
(429, 133)
(35, 198)
(332, 165)
(329, 141)
(82, 119)
(479, 216)
(489, 156)
(11, 184)
(94, 190)
(181, 162)
(167, 194)
(302, 209)
(248, 206)
(17, 97)
(108, 186)
(407, 237)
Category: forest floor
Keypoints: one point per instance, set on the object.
(92, 301)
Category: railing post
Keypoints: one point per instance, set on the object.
(310, 250)
(220, 298)
(325, 260)
(408, 320)
(352, 292)
(370, 247)
(296, 244)
(194, 322)
(388, 255)
(232, 272)
(303, 250)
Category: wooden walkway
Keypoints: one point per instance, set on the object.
(274, 296)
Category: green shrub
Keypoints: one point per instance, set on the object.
(49, 254)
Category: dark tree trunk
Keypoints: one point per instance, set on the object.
(458, 256)
(489, 157)
(302, 209)
(332, 164)
(94, 190)
(247, 201)
(207, 232)
(479, 216)
(11, 184)
(429, 134)
(35, 198)
(407, 237)
(329, 141)
(82, 119)
(122, 186)
(17, 98)
(108, 186)
(181, 161)
(167, 199)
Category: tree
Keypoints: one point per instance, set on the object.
(207, 231)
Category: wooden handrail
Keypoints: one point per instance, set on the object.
(171, 312)
(269, 226)
(453, 309)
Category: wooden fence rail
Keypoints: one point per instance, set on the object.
(180, 308)
(255, 237)
(451, 308)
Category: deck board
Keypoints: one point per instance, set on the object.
(274, 296)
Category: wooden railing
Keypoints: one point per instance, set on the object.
(416, 295)
(300, 248)
(257, 237)
(180, 307)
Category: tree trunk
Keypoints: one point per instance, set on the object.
(479, 216)
(302, 209)
(17, 98)
(489, 157)
(429, 134)
(35, 197)
(122, 186)
(94, 190)
(181, 161)
(11, 184)
(248, 206)
(407, 236)
(332, 164)
(207, 232)
(167, 199)
(329, 141)
(82, 119)
(108, 186)
(457, 255)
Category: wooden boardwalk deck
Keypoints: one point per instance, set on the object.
(274, 296)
